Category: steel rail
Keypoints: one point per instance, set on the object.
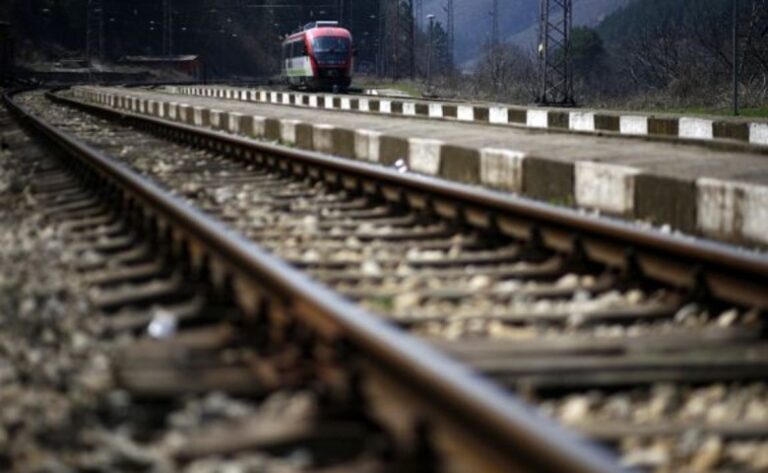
(702, 266)
(510, 433)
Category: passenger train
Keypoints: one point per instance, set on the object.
(320, 56)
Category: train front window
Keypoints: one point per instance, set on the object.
(330, 44)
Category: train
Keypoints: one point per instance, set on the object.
(319, 57)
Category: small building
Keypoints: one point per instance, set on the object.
(188, 64)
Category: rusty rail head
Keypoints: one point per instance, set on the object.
(505, 426)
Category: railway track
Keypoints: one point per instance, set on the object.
(651, 344)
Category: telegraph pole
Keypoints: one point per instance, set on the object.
(555, 60)
(449, 11)
(94, 32)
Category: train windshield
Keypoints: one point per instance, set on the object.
(330, 44)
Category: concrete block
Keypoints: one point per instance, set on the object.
(409, 108)
(322, 138)
(549, 180)
(605, 122)
(364, 105)
(754, 211)
(263, 96)
(581, 121)
(498, 115)
(435, 110)
(392, 149)
(607, 187)
(460, 164)
(424, 155)
(558, 119)
(272, 128)
(367, 145)
(663, 126)
(305, 136)
(537, 118)
(216, 117)
(343, 143)
(482, 114)
(288, 131)
(287, 99)
(328, 102)
(385, 106)
(666, 200)
(502, 169)
(234, 123)
(716, 213)
(695, 128)
(633, 125)
(346, 104)
(201, 116)
(465, 113)
(732, 210)
(758, 133)
(173, 111)
(258, 126)
(185, 114)
(313, 101)
(731, 130)
(273, 97)
(517, 115)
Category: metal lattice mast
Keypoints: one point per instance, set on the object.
(555, 61)
(167, 28)
(94, 32)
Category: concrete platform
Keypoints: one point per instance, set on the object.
(715, 130)
(693, 188)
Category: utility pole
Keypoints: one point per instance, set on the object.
(430, 50)
(167, 28)
(735, 61)
(555, 60)
(94, 31)
(449, 12)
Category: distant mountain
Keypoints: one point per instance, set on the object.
(518, 20)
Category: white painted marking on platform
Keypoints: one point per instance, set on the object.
(633, 125)
(758, 133)
(606, 187)
(537, 118)
(695, 128)
(424, 155)
(465, 113)
(502, 169)
(581, 121)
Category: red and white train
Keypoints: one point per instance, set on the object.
(320, 56)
